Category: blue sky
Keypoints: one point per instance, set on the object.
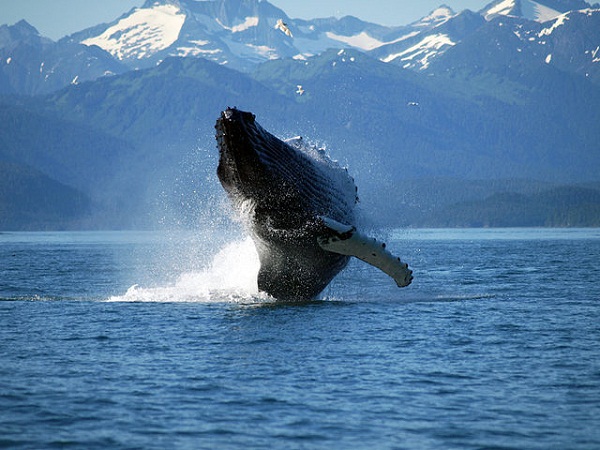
(58, 18)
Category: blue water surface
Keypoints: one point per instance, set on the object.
(159, 340)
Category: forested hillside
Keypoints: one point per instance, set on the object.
(29, 200)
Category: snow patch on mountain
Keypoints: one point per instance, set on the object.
(561, 20)
(264, 51)
(537, 12)
(419, 55)
(248, 23)
(595, 59)
(436, 17)
(503, 8)
(141, 34)
(528, 9)
(362, 40)
(197, 49)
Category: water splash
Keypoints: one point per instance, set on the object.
(230, 277)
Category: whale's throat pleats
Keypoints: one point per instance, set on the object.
(289, 274)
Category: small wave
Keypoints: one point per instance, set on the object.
(230, 277)
(443, 298)
(27, 298)
(458, 298)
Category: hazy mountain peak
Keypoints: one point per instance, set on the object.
(436, 17)
(24, 28)
(21, 31)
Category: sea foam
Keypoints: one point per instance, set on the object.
(230, 277)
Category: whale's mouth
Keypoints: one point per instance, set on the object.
(239, 167)
(238, 134)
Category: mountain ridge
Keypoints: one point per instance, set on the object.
(244, 33)
(492, 105)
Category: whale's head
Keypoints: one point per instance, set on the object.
(252, 168)
(243, 170)
(280, 181)
(284, 185)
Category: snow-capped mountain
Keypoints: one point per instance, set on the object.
(243, 33)
(239, 33)
(570, 43)
(528, 9)
(511, 46)
(536, 10)
(504, 32)
(418, 49)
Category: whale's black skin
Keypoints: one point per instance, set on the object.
(284, 191)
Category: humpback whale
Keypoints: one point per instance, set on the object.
(299, 207)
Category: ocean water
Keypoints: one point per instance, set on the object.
(156, 340)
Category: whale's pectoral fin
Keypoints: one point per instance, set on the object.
(346, 240)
